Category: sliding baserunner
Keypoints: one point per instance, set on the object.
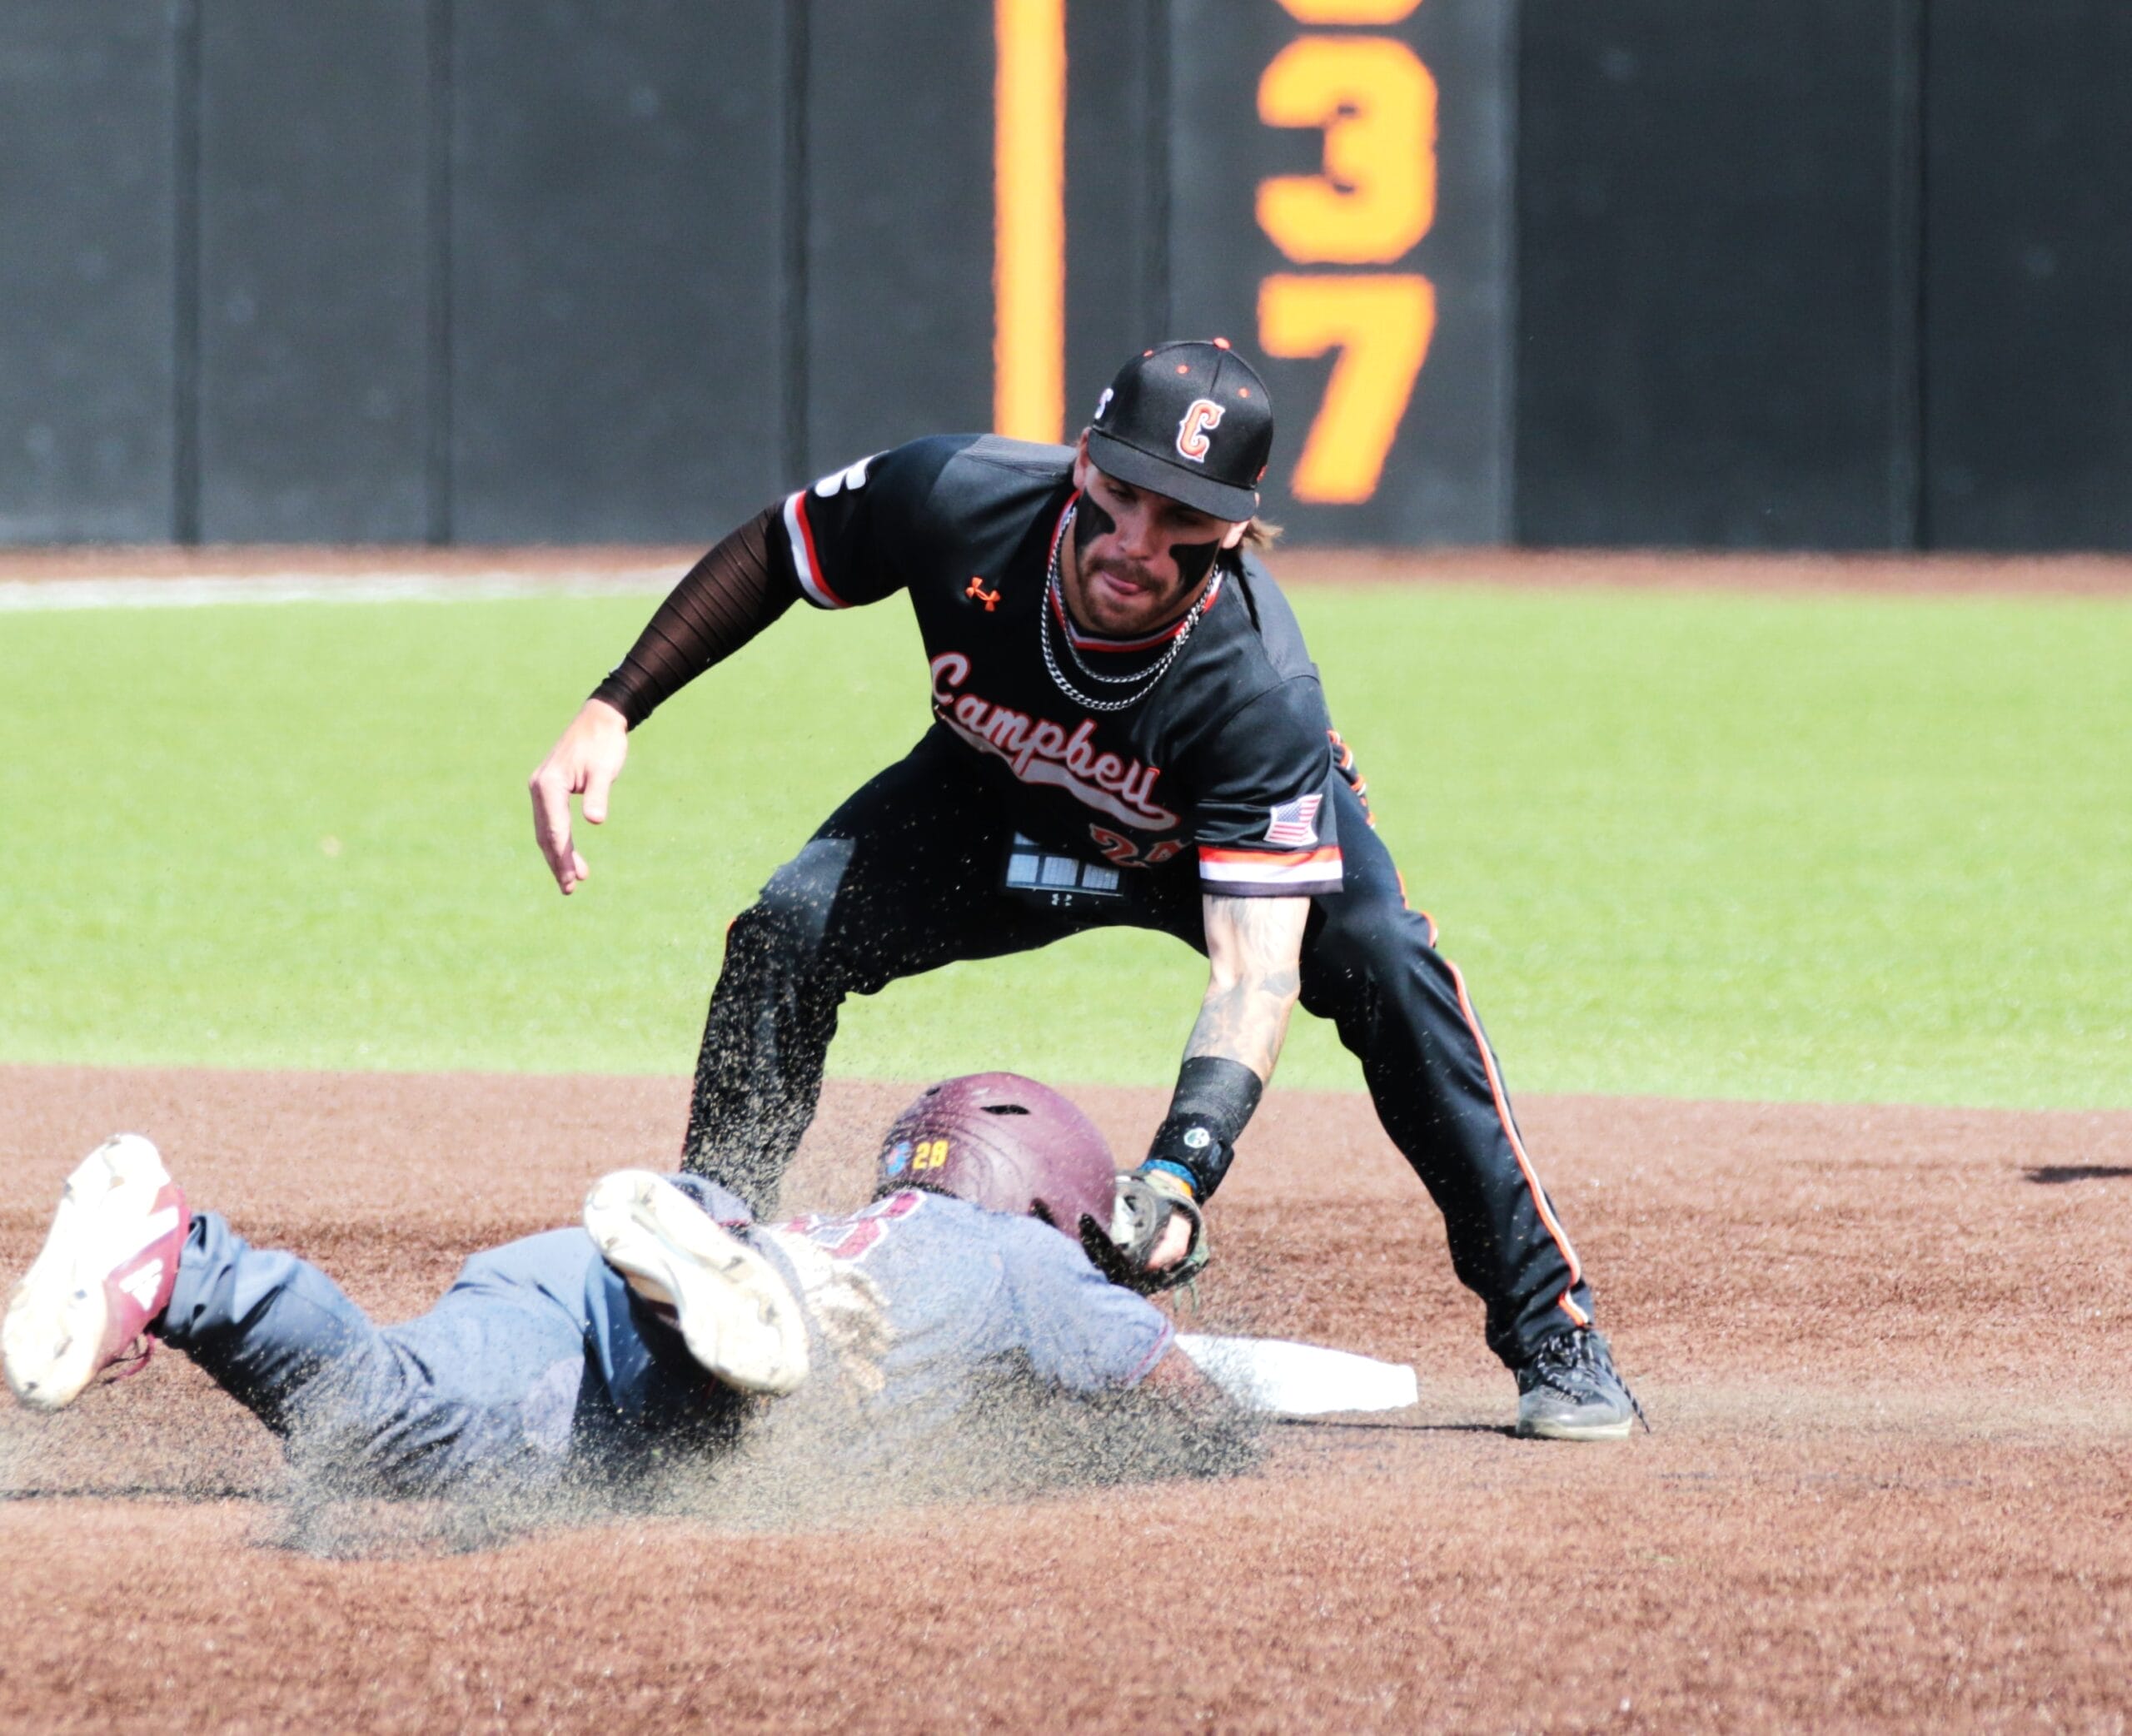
(668, 1321)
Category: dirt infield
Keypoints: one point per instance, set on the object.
(1888, 1490)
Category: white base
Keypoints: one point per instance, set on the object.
(1284, 1379)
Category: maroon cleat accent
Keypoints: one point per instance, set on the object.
(104, 1276)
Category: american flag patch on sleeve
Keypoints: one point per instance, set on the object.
(1295, 823)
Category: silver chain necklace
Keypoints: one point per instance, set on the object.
(1055, 598)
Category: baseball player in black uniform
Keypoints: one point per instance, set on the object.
(1127, 730)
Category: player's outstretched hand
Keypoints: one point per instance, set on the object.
(585, 763)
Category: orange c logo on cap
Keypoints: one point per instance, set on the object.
(1191, 432)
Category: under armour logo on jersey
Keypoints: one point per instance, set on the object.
(1205, 414)
(977, 593)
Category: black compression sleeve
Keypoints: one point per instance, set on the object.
(1215, 1097)
(729, 597)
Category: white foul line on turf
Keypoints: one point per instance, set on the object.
(18, 596)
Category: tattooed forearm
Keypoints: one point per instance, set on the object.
(1254, 946)
(1246, 1024)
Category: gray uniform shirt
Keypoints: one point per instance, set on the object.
(915, 1300)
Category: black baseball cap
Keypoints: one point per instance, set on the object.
(1189, 420)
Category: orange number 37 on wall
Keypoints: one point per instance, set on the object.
(1371, 203)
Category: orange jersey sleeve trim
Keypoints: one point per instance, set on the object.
(1299, 874)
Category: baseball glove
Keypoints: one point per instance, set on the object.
(1141, 1214)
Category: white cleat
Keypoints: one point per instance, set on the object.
(739, 1319)
(106, 1272)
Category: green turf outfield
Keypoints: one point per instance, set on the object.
(1707, 845)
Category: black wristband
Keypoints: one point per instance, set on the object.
(1215, 1097)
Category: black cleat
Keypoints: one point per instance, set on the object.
(1568, 1390)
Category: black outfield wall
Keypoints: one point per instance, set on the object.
(1781, 273)
(557, 271)
(2027, 312)
(90, 145)
(1852, 274)
(1711, 340)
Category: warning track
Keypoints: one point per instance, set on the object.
(149, 578)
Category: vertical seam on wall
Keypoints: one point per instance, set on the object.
(1521, 158)
(1906, 492)
(437, 465)
(185, 272)
(795, 301)
(1160, 100)
(1921, 400)
(1510, 70)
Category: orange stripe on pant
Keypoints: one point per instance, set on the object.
(1517, 1150)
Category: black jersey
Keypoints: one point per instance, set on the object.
(1226, 753)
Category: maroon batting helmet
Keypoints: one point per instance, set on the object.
(1006, 1143)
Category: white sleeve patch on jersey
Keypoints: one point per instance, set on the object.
(850, 476)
